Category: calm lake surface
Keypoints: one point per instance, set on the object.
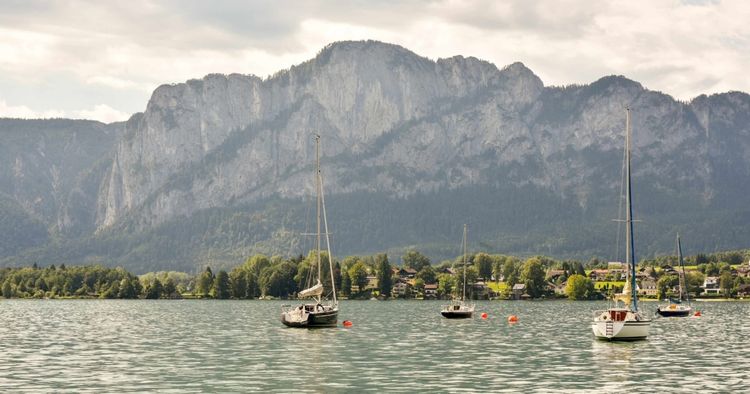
(239, 346)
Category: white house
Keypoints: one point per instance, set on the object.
(711, 285)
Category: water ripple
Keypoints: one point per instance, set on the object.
(240, 346)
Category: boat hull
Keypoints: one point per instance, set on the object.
(668, 312)
(622, 331)
(327, 317)
(457, 314)
(620, 324)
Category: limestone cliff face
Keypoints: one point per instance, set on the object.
(395, 122)
(352, 93)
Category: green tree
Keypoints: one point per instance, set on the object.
(578, 267)
(665, 284)
(257, 263)
(358, 275)
(384, 274)
(154, 289)
(694, 281)
(337, 275)
(221, 288)
(726, 283)
(700, 259)
(238, 283)
(510, 271)
(41, 284)
(7, 289)
(112, 291)
(278, 280)
(204, 283)
(579, 287)
(471, 278)
(126, 289)
(346, 284)
(446, 284)
(427, 274)
(483, 262)
(170, 288)
(532, 275)
(712, 269)
(415, 260)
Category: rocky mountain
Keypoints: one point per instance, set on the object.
(218, 168)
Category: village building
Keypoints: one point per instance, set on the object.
(519, 291)
(430, 291)
(406, 273)
(372, 282)
(711, 285)
(648, 287)
(401, 288)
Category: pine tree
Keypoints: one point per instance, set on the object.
(346, 284)
(221, 286)
(154, 290)
(384, 273)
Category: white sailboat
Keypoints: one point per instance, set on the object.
(676, 308)
(317, 313)
(626, 322)
(460, 309)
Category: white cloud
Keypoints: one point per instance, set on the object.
(101, 112)
(684, 48)
(24, 112)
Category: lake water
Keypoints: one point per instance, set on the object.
(239, 346)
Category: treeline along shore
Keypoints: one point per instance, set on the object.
(488, 276)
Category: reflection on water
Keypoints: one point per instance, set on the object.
(219, 346)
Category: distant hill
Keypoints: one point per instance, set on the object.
(219, 168)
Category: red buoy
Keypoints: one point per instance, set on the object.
(697, 314)
(484, 315)
(512, 319)
(347, 323)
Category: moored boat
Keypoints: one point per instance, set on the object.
(460, 309)
(676, 308)
(624, 323)
(317, 313)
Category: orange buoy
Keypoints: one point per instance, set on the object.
(697, 314)
(512, 319)
(484, 315)
(347, 323)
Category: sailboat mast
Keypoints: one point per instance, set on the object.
(683, 279)
(317, 192)
(463, 294)
(630, 248)
(328, 239)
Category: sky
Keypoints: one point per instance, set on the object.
(102, 59)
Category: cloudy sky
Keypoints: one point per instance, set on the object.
(101, 60)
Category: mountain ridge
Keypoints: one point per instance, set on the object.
(400, 127)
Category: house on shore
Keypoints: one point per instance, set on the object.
(648, 287)
(430, 291)
(711, 285)
(401, 288)
(519, 292)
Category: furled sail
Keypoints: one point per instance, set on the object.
(624, 297)
(314, 291)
